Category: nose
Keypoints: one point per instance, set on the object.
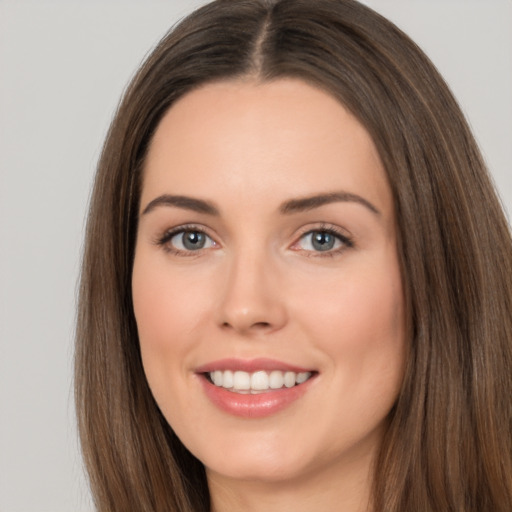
(252, 301)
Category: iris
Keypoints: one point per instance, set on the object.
(322, 241)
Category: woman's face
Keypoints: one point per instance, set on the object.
(266, 262)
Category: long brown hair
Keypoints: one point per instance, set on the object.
(449, 442)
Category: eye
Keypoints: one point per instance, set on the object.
(323, 240)
(186, 240)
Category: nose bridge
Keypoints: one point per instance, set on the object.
(251, 301)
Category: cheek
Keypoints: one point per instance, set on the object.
(372, 312)
(155, 310)
(356, 303)
(167, 311)
(359, 325)
(358, 320)
(168, 314)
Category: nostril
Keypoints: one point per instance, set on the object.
(260, 325)
(253, 326)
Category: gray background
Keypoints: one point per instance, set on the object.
(63, 66)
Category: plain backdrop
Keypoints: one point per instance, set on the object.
(63, 67)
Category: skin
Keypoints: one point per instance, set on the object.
(259, 288)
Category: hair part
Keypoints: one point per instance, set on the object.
(449, 441)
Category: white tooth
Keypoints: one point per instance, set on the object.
(289, 379)
(276, 379)
(241, 380)
(303, 377)
(227, 379)
(216, 376)
(259, 381)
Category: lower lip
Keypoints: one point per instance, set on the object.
(259, 405)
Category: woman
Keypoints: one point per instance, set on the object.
(295, 287)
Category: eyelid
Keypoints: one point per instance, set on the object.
(342, 235)
(163, 239)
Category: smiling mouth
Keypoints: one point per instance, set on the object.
(256, 382)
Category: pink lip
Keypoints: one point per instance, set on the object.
(250, 366)
(247, 405)
(253, 406)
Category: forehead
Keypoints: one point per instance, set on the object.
(243, 139)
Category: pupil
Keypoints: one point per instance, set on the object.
(193, 240)
(322, 241)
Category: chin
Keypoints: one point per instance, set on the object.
(257, 457)
(257, 469)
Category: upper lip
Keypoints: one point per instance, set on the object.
(250, 365)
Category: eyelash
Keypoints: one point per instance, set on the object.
(164, 240)
(346, 241)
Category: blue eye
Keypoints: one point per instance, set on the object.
(188, 240)
(322, 240)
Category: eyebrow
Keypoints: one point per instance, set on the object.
(311, 202)
(287, 208)
(184, 202)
